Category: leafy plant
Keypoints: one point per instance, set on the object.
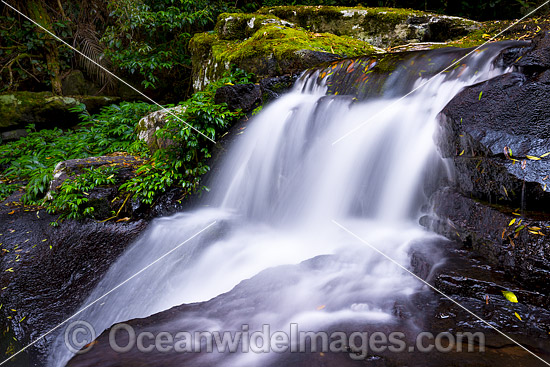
(151, 37)
(33, 157)
(71, 198)
(183, 163)
(21, 53)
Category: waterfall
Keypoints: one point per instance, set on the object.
(294, 170)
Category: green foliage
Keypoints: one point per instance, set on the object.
(21, 53)
(151, 37)
(6, 190)
(71, 198)
(183, 163)
(32, 158)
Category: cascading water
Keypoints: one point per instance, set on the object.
(275, 196)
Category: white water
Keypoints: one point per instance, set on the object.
(274, 200)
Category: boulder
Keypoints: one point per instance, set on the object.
(76, 84)
(148, 126)
(239, 97)
(381, 27)
(54, 269)
(273, 88)
(103, 198)
(44, 110)
(266, 46)
(496, 134)
(510, 242)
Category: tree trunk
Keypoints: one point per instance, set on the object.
(39, 14)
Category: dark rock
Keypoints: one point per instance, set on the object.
(537, 57)
(510, 111)
(54, 269)
(273, 88)
(44, 110)
(76, 84)
(103, 198)
(13, 135)
(518, 249)
(240, 96)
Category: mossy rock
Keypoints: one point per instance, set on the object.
(274, 48)
(382, 27)
(44, 110)
(238, 26)
(148, 126)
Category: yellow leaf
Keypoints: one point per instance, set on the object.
(533, 158)
(320, 307)
(485, 35)
(461, 153)
(518, 316)
(111, 176)
(510, 296)
(229, 83)
(512, 222)
(535, 228)
(545, 155)
(44, 240)
(125, 219)
(10, 270)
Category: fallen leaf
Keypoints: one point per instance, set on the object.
(512, 222)
(533, 158)
(510, 296)
(518, 316)
(321, 307)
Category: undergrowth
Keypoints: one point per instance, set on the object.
(32, 159)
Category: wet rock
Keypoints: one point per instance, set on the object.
(515, 243)
(244, 97)
(53, 269)
(273, 88)
(148, 126)
(496, 133)
(423, 311)
(536, 57)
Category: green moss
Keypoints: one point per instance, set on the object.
(231, 26)
(283, 41)
(382, 27)
(274, 49)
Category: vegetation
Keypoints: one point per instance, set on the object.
(149, 41)
(31, 160)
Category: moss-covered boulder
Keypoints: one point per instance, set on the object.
(266, 46)
(382, 27)
(44, 110)
(148, 126)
